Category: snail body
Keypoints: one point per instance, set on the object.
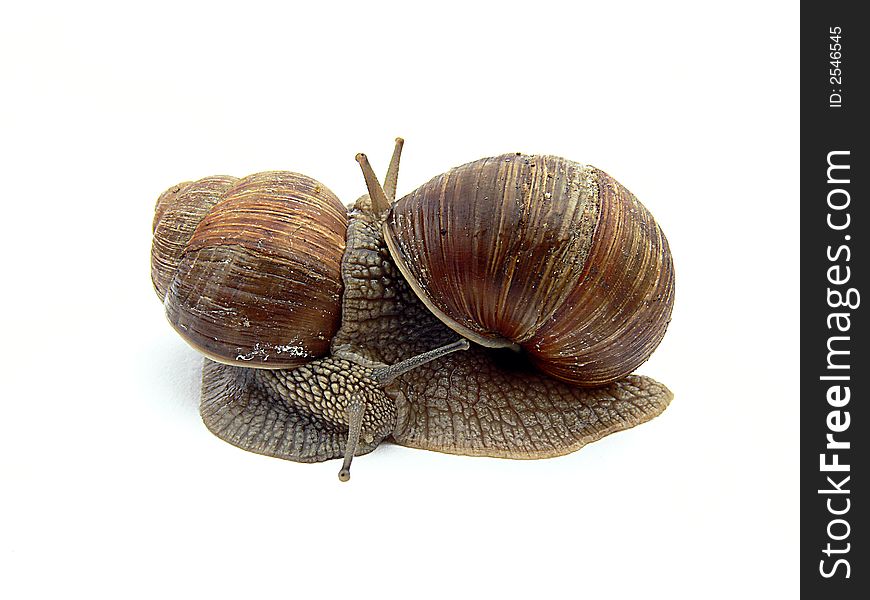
(450, 258)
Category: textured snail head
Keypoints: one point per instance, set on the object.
(250, 269)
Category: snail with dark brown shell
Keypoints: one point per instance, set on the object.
(327, 332)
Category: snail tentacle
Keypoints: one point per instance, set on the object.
(392, 178)
(355, 410)
(380, 203)
(386, 375)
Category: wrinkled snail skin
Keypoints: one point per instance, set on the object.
(539, 253)
(350, 320)
(300, 413)
(257, 282)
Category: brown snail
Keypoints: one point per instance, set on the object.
(351, 319)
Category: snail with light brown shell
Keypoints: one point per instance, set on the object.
(327, 331)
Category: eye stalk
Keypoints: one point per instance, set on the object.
(355, 411)
(386, 375)
(382, 197)
(392, 178)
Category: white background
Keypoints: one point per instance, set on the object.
(112, 487)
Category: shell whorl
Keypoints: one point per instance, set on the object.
(257, 281)
(541, 253)
(176, 215)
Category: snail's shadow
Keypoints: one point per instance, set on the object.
(509, 360)
(170, 375)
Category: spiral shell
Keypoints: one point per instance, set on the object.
(252, 273)
(539, 253)
(176, 215)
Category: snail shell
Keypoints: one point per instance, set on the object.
(251, 268)
(539, 253)
(179, 210)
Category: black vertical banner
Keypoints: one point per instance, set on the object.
(835, 366)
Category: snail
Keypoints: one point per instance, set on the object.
(497, 310)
